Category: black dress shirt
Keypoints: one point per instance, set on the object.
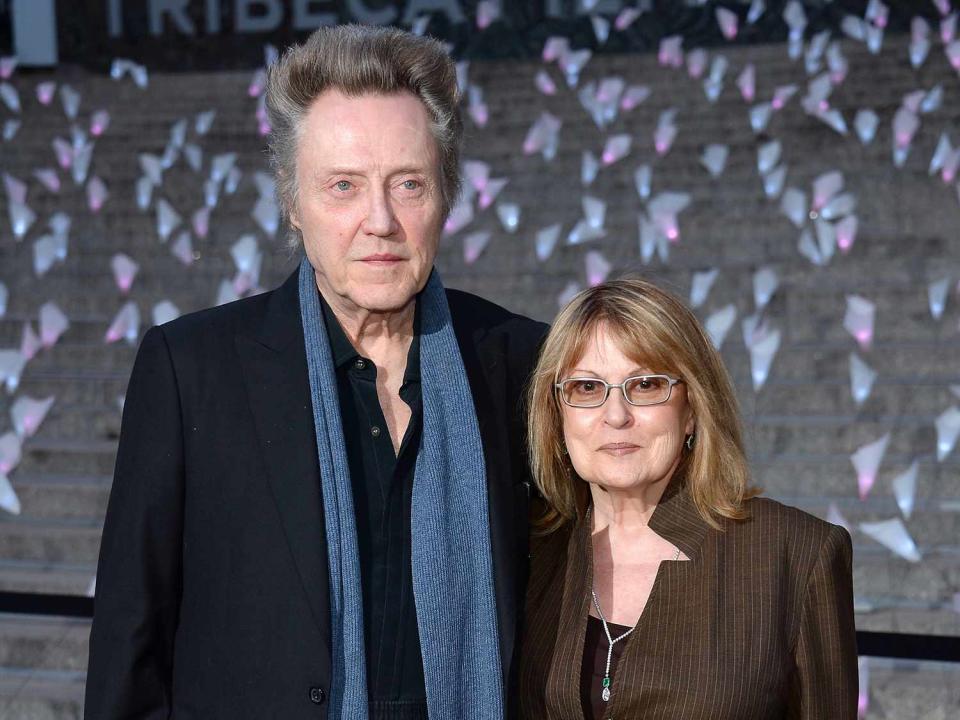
(382, 483)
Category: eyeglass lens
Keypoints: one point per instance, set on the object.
(645, 390)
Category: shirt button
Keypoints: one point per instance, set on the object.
(360, 364)
(317, 695)
(375, 431)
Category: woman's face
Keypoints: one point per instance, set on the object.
(618, 445)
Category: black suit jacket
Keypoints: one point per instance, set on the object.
(212, 589)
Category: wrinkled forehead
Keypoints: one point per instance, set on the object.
(636, 343)
(340, 128)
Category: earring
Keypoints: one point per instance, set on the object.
(689, 442)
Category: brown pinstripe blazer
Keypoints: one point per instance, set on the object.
(757, 625)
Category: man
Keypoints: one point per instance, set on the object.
(319, 507)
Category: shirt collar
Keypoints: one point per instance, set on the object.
(344, 353)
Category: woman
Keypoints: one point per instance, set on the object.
(659, 586)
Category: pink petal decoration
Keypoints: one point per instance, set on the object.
(616, 148)
(30, 343)
(459, 218)
(7, 65)
(10, 452)
(825, 187)
(782, 95)
(670, 53)
(182, 248)
(478, 111)
(554, 48)
(477, 174)
(97, 194)
(626, 18)
(948, 29)
(911, 101)
(28, 414)
(728, 21)
(126, 325)
(905, 125)
(697, 63)
(953, 54)
(490, 192)
(257, 83)
(664, 209)
(747, 82)
(597, 268)
(542, 136)
(846, 233)
(45, 92)
(125, 269)
(859, 319)
(487, 13)
(99, 123)
(949, 172)
(48, 178)
(866, 460)
(877, 13)
(473, 245)
(201, 222)
(663, 138)
(64, 152)
(633, 96)
(16, 189)
(53, 324)
(545, 83)
(863, 695)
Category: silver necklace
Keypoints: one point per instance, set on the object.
(611, 641)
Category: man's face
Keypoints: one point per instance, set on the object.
(369, 206)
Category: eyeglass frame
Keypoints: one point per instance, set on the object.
(609, 386)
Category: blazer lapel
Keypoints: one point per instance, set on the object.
(274, 366)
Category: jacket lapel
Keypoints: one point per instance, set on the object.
(274, 366)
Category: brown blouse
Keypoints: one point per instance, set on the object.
(757, 625)
(595, 665)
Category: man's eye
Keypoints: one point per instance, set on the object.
(411, 184)
(343, 185)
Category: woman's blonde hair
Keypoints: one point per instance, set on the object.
(658, 332)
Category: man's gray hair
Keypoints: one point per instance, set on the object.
(359, 60)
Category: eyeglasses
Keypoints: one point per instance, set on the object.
(587, 392)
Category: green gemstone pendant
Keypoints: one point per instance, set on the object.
(606, 690)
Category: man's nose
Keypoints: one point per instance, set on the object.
(380, 220)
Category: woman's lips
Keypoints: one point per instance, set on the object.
(619, 448)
